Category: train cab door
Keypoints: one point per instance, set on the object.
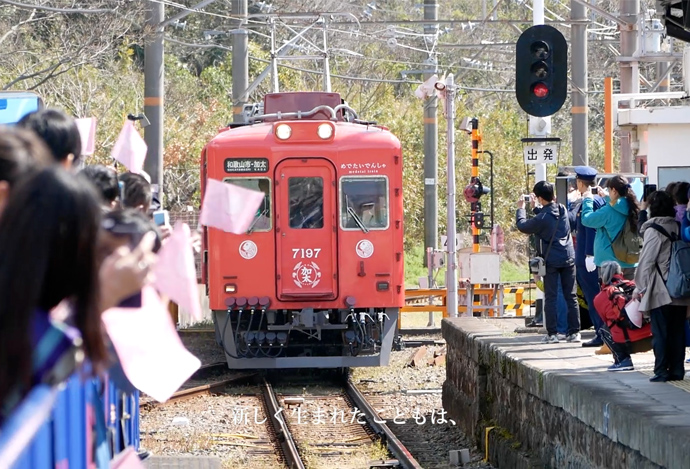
(306, 230)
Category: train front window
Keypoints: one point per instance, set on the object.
(306, 202)
(364, 203)
(263, 216)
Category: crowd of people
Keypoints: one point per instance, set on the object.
(74, 243)
(620, 251)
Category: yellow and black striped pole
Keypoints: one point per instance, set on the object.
(475, 174)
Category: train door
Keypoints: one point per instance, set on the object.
(306, 244)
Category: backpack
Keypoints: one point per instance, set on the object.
(627, 244)
(678, 279)
(623, 289)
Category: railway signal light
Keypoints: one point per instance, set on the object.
(541, 70)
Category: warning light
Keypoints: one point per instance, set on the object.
(541, 90)
(541, 70)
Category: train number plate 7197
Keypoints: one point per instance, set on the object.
(305, 253)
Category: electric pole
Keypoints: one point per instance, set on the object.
(240, 61)
(580, 130)
(629, 72)
(431, 143)
(452, 267)
(153, 97)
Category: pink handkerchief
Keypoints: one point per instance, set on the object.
(127, 459)
(229, 207)
(87, 131)
(176, 272)
(130, 149)
(151, 353)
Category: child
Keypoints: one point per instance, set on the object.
(616, 292)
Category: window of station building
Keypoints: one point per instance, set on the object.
(306, 202)
(263, 217)
(364, 203)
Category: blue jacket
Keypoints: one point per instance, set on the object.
(543, 225)
(685, 227)
(608, 221)
(584, 235)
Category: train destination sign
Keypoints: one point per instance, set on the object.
(246, 165)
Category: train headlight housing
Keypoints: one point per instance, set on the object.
(325, 131)
(230, 288)
(283, 131)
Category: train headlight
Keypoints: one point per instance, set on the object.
(325, 131)
(283, 131)
(231, 288)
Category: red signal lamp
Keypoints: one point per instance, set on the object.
(540, 90)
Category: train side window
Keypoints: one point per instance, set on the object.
(263, 217)
(364, 202)
(306, 202)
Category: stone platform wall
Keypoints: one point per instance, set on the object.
(539, 420)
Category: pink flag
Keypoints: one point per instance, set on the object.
(176, 272)
(130, 149)
(127, 459)
(229, 207)
(151, 353)
(87, 131)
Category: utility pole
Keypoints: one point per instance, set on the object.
(539, 126)
(452, 264)
(240, 61)
(580, 130)
(153, 97)
(629, 71)
(431, 145)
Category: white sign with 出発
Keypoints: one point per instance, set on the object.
(541, 154)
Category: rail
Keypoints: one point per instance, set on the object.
(22, 426)
(287, 443)
(395, 446)
(49, 427)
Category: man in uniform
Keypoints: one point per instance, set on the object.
(586, 271)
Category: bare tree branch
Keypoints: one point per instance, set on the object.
(58, 10)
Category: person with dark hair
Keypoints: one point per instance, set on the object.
(21, 153)
(555, 246)
(59, 132)
(125, 228)
(136, 193)
(667, 314)
(48, 236)
(105, 181)
(620, 208)
(680, 196)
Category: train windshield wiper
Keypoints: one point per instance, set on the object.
(357, 220)
(258, 217)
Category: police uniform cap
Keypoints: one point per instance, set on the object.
(585, 173)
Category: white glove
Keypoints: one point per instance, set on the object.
(589, 264)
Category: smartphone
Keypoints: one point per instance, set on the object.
(648, 189)
(595, 191)
(161, 217)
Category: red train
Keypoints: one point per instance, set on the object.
(317, 281)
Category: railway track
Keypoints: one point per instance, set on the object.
(336, 427)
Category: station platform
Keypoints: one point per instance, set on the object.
(555, 405)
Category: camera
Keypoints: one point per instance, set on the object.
(526, 198)
(595, 190)
(537, 266)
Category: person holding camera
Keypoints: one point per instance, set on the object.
(556, 261)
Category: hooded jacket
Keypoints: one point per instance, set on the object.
(548, 219)
(608, 221)
(656, 250)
